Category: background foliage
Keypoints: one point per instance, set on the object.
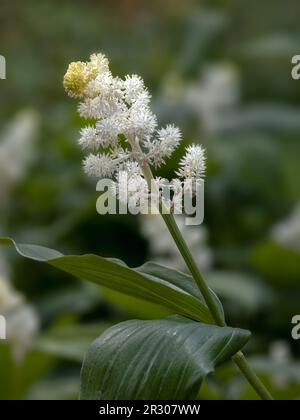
(220, 70)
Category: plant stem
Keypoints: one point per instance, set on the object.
(250, 375)
(190, 262)
(211, 303)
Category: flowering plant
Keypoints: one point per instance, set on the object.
(167, 358)
(124, 140)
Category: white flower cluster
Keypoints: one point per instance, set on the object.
(124, 134)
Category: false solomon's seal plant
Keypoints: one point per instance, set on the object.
(160, 359)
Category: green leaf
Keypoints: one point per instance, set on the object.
(160, 359)
(152, 282)
(134, 307)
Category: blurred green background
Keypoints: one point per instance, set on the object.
(221, 70)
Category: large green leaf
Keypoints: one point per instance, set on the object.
(134, 307)
(151, 282)
(160, 359)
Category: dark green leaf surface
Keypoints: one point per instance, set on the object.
(160, 359)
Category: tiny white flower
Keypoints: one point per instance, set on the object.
(94, 108)
(168, 139)
(141, 122)
(93, 88)
(89, 138)
(99, 166)
(99, 63)
(134, 88)
(109, 128)
(143, 100)
(98, 108)
(132, 168)
(192, 165)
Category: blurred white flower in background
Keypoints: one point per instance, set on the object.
(287, 232)
(280, 354)
(21, 318)
(162, 247)
(16, 153)
(214, 97)
(214, 100)
(211, 100)
(16, 150)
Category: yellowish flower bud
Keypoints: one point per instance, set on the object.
(79, 74)
(76, 79)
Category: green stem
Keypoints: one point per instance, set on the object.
(250, 375)
(211, 303)
(190, 262)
